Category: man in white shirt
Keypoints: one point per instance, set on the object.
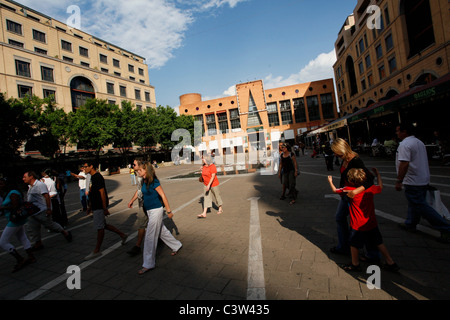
(82, 184)
(38, 195)
(413, 173)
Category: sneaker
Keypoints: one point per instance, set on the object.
(92, 255)
(391, 267)
(134, 251)
(124, 239)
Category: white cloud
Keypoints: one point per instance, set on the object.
(153, 29)
(317, 69)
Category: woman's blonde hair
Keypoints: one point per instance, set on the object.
(340, 146)
(208, 159)
(150, 174)
(356, 176)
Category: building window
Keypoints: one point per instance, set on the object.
(132, 78)
(141, 71)
(123, 91)
(370, 80)
(147, 96)
(235, 119)
(47, 74)
(41, 51)
(38, 36)
(223, 121)
(299, 110)
(387, 16)
(104, 70)
(23, 69)
(363, 84)
(199, 118)
(131, 68)
(272, 113)
(68, 59)
(85, 64)
(211, 124)
(103, 58)
(117, 74)
(381, 72)
(419, 25)
(15, 43)
(362, 47)
(13, 27)
(84, 52)
(65, 45)
(116, 63)
(50, 94)
(110, 88)
(24, 91)
(389, 42)
(313, 108)
(368, 62)
(379, 51)
(286, 114)
(361, 68)
(137, 94)
(327, 106)
(392, 65)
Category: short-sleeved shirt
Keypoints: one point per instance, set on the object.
(207, 172)
(150, 195)
(414, 151)
(97, 183)
(82, 182)
(35, 195)
(362, 208)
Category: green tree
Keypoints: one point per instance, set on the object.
(94, 125)
(16, 127)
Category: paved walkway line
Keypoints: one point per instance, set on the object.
(33, 295)
(255, 280)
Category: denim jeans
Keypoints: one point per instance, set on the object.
(418, 207)
(83, 198)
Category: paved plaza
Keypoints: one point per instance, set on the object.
(259, 248)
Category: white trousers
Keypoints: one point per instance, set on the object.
(156, 229)
(19, 232)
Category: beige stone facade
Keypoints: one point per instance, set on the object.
(43, 56)
(256, 118)
(409, 48)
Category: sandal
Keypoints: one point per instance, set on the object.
(144, 270)
(174, 253)
(351, 267)
(220, 211)
(200, 216)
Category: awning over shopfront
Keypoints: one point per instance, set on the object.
(336, 124)
(435, 90)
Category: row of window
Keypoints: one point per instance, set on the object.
(39, 36)
(273, 115)
(23, 69)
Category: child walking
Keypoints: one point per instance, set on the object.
(363, 222)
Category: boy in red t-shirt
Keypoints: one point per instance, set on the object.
(363, 222)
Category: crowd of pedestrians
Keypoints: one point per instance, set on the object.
(358, 233)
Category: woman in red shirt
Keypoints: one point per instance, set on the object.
(209, 175)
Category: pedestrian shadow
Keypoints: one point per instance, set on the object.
(202, 202)
(403, 285)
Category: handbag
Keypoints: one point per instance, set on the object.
(200, 179)
(26, 210)
(433, 198)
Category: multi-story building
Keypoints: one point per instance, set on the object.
(42, 56)
(255, 118)
(393, 64)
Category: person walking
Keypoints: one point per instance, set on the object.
(154, 199)
(413, 175)
(82, 179)
(288, 173)
(38, 195)
(142, 218)
(12, 200)
(211, 186)
(54, 198)
(363, 222)
(350, 160)
(98, 204)
(133, 176)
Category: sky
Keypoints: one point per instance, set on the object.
(209, 46)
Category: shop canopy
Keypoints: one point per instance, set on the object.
(437, 89)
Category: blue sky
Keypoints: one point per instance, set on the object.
(208, 46)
